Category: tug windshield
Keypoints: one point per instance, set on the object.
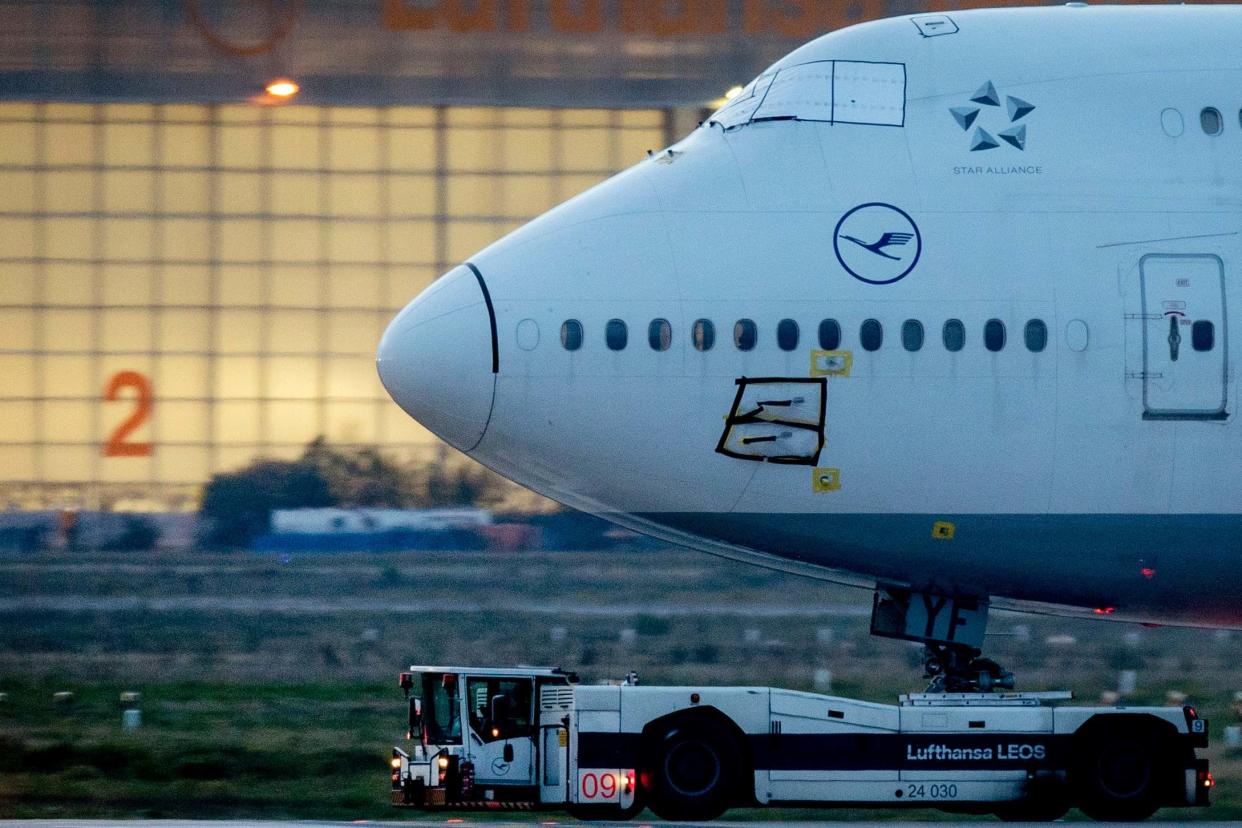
(441, 709)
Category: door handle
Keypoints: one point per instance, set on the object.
(1175, 338)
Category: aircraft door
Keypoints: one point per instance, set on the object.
(1185, 365)
(502, 730)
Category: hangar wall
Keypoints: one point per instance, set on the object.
(186, 287)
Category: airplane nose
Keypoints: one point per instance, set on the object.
(437, 358)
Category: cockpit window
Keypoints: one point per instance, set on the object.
(745, 334)
(659, 334)
(703, 334)
(571, 334)
(834, 91)
(787, 334)
(616, 335)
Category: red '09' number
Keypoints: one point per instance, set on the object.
(599, 786)
(119, 444)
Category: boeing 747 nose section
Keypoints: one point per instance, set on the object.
(438, 358)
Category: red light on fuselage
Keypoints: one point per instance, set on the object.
(1104, 610)
(1148, 572)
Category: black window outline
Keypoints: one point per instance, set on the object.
(829, 332)
(703, 335)
(912, 329)
(1212, 112)
(1033, 328)
(783, 329)
(660, 334)
(745, 334)
(959, 332)
(989, 329)
(1200, 341)
(616, 335)
(871, 335)
(571, 335)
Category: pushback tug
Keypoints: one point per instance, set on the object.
(535, 738)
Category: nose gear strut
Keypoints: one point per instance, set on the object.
(956, 668)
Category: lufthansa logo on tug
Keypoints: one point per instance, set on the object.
(877, 243)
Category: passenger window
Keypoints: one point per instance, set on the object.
(1036, 335)
(954, 335)
(994, 335)
(829, 335)
(571, 334)
(912, 334)
(616, 335)
(871, 335)
(787, 334)
(659, 334)
(703, 334)
(1211, 121)
(745, 334)
(1203, 335)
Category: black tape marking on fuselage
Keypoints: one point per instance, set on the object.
(737, 417)
(491, 316)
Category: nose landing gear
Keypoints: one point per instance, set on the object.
(952, 630)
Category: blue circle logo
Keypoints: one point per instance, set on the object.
(877, 243)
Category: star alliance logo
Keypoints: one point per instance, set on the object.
(987, 97)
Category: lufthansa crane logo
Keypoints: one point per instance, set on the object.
(877, 243)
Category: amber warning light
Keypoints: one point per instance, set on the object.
(282, 88)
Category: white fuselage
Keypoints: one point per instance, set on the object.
(1083, 193)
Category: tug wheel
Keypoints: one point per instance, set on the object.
(1119, 774)
(692, 772)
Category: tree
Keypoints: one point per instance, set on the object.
(361, 477)
(237, 506)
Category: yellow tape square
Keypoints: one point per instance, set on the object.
(831, 363)
(826, 480)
